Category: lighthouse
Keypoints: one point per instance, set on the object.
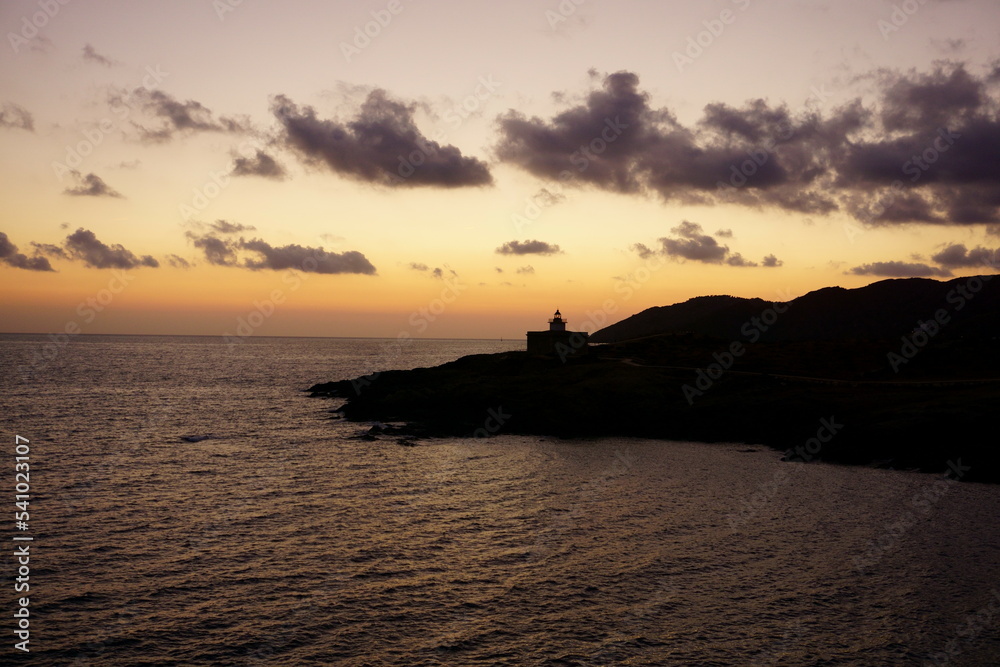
(557, 341)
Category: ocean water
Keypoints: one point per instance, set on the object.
(282, 538)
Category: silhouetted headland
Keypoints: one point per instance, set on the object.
(901, 373)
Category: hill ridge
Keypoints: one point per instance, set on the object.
(882, 309)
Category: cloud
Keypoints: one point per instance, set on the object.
(643, 250)
(11, 257)
(550, 149)
(436, 272)
(49, 249)
(771, 261)
(546, 198)
(174, 117)
(724, 233)
(84, 245)
(91, 185)
(899, 270)
(217, 251)
(15, 116)
(178, 262)
(528, 248)
(261, 164)
(91, 55)
(690, 242)
(381, 144)
(527, 270)
(736, 259)
(923, 150)
(309, 260)
(958, 256)
(258, 254)
(225, 227)
(695, 245)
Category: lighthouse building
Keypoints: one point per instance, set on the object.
(557, 340)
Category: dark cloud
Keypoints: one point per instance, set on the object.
(899, 270)
(258, 255)
(436, 272)
(643, 250)
(771, 261)
(84, 245)
(49, 249)
(15, 116)
(261, 164)
(526, 270)
(695, 245)
(178, 262)
(736, 259)
(924, 150)
(922, 101)
(755, 123)
(217, 251)
(11, 257)
(545, 197)
(528, 248)
(174, 117)
(382, 144)
(309, 260)
(91, 55)
(91, 185)
(690, 242)
(225, 227)
(957, 256)
(724, 233)
(555, 149)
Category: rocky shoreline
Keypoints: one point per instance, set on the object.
(837, 402)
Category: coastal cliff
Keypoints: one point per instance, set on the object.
(834, 401)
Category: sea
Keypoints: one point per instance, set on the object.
(190, 504)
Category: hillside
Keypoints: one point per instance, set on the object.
(882, 310)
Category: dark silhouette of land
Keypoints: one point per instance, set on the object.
(881, 310)
(918, 390)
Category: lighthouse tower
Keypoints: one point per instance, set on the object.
(557, 341)
(557, 323)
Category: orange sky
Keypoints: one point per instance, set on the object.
(168, 101)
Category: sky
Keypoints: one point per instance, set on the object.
(402, 168)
